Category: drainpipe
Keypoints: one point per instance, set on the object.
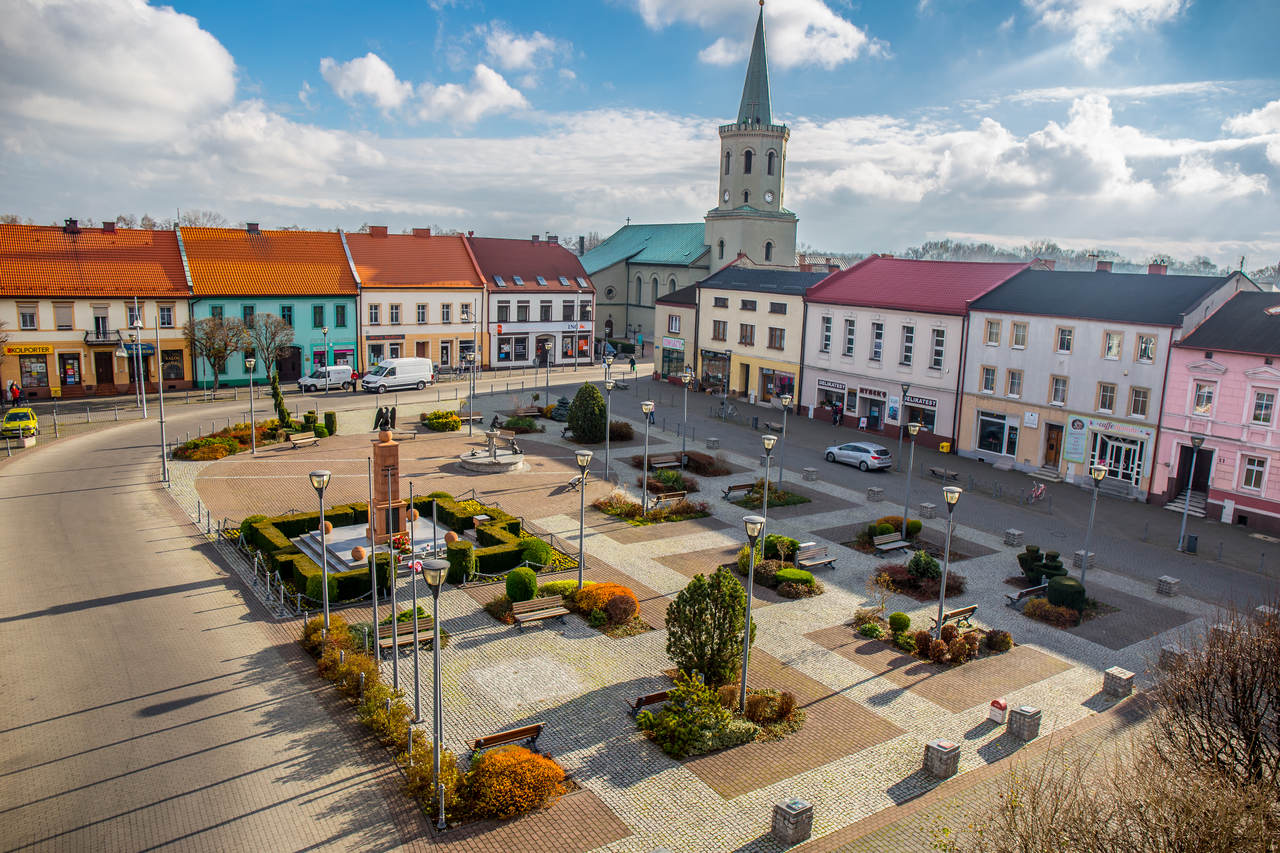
(804, 334)
(964, 354)
(1155, 440)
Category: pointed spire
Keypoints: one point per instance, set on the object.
(755, 108)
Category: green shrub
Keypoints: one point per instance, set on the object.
(914, 526)
(331, 422)
(906, 642)
(621, 431)
(799, 576)
(321, 432)
(521, 425)
(705, 627)
(462, 561)
(567, 588)
(693, 721)
(883, 529)
(522, 584)
(586, 415)
(246, 532)
(597, 618)
(899, 622)
(442, 420)
(922, 566)
(999, 641)
(1066, 592)
(309, 419)
(871, 631)
(534, 550)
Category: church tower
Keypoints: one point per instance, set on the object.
(749, 216)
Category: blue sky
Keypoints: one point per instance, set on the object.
(1145, 126)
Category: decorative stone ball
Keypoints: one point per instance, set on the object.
(450, 537)
(357, 554)
(413, 515)
(328, 527)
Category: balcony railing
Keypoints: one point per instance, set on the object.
(108, 338)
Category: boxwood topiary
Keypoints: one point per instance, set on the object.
(522, 584)
(1066, 592)
(794, 576)
(899, 622)
(462, 561)
(534, 550)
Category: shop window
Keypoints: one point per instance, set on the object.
(1255, 473)
(171, 365)
(997, 435)
(69, 368)
(34, 371)
(395, 350)
(375, 353)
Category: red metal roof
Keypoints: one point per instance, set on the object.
(235, 262)
(44, 260)
(499, 256)
(413, 260)
(931, 287)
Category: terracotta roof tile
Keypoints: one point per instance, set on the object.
(509, 258)
(930, 287)
(411, 260)
(44, 260)
(234, 262)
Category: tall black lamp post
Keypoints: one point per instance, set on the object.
(320, 482)
(950, 494)
(754, 525)
(584, 462)
(433, 572)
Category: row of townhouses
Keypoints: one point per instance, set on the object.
(78, 303)
(1017, 365)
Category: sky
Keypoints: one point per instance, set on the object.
(1140, 126)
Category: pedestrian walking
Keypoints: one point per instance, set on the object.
(835, 415)
(15, 393)
(633, 365)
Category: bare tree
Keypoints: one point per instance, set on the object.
(215, 339)
(269, 336)
(126, 220)
(198, 218)
(4, 339)
(147, 223)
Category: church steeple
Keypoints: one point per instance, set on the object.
(755, 108)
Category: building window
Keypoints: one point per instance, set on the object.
(1146, 348)
(422, 313)
(1138, 400)
(939, 348)
(584, 311)
(286, 314)
(246, 312)
(721, 245)
(215, 311)
(850, 327)
(826, 334)
(746, 196)
(993, 333)
(1106, 397)
(1065, 338)
(1264, 404)
(166, 316)
(393, 314)
(394, 350)
(522, 312)
(1111, 343)
(464, 312)
(769, 162)
(908, 344)
(639, 289)
(1058, 391)
(375, 353)
(673, 324)
(777, 338)
(504, 312)
(720, 302)
(340, 316)
(748, 305)
(27, 317)
(777, 308)
(375, 314)
(446, 312)
(719, 330)
(171, 362)
(1255, 473)
(768, 251)
(728, 161)
(544, 311)
(996, 434)
(747, 157)
(566, 312)
(877, 341)
(1019, 336)
(133, 317)
(655, 288)
(988, 380)
(317, 316)
(1203, 403)
(33, 371)
(746, 334)
(62, 316)
(1013, 387)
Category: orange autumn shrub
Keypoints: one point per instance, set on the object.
(597, 595)
(511, 781)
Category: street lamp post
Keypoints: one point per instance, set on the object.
(391, 561)
(249, 364)
(902, 410)
(785, 399)
(319, 482)
(647, 408)
(584, 462)
(912, 428)
(1196, 442)
(686, 379)
(755, 526)
(950, 494)
(1097, 472)
(142, 385)
(414, 565)
(164, 456)
(433, 572)
(608, 410)
(471, 409)
(768, 441)
(325, 332)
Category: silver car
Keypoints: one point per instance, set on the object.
(863, 454)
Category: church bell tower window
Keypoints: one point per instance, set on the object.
(769, 162)
(746, 162)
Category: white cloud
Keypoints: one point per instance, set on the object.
(513, 52)
(1096, 25)
(1262, 120)
(1006, 25)
(1196, 175)
(1129, 93)
(799, 32)
(367, 76)
(489, 93)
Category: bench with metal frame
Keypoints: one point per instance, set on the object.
(1015, 597)
(525, 734)
(773, 427)
(404, 633)
(811, 555)
(303, 439)
(667, 496)
(633, 708)
(528, 412)
(944, 474)
(889, 542)
(729, 491)
(664, 460)
(959, 616)
(537, 609)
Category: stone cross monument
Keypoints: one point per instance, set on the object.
(386, 455)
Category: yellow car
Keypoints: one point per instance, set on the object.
(20, 422)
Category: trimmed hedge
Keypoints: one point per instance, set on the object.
(799, 576)
(462, 561)
(1066, 592)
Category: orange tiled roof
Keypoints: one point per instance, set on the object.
(44, 260)
(412, 260)
(234, 262)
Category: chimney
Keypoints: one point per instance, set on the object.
(377, 230)
(108, 227)
(1157, 269)
(535, 238)
(1103, 266)
(554, 239)
(251, 228)
(886, 255)
(422, 232)
(582, 244)
(1044, 263)
(71, 226)
(471, 233)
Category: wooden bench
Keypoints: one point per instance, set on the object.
(1015, 597)
(667, 496)
(811, 555)
(524, 734)
(944, 474)
(960, 617)
(889, 542)
(729, 491)
(633, 708)
(665, 460)
(575, 482)
(773, 427)
(474, 417)
(537, 609)
(404, 633)
(303, 439)
(528, 412)
(565, 430)
(509, 437)
(618, 383)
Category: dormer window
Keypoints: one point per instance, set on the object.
(746, 162)
(497, 279)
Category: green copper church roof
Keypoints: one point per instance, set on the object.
(755, 108)
(679, 244)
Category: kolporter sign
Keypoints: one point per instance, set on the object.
(28, 349)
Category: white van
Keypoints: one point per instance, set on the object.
(333, 377)
(397, 374)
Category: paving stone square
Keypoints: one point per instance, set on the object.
(1136, 619)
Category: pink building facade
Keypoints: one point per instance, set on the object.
(1224, 385)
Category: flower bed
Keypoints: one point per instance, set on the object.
(754, 499)
(783, 578)
(619, 505)
(227, 442)
(954, 647)
(610, 608)
(441, 420)
(921, 578)
(697, 719)
(522, 425)
(670, 480)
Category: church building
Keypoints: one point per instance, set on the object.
(640, 264)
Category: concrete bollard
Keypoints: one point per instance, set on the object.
(942, 758)
(810, 475)
(713, 443)
(1077, 559)
(1117, 682)
(875, 494)
(1013, 537)
(792, 821)
(928, 510)
(1024, 722)
(1167, 585)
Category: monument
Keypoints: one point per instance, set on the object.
(386, 490)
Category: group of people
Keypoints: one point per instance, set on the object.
(837, 414)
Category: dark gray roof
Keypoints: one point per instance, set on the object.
(1241, 325)
(765, 281)
(1142, 298)
(684, 296)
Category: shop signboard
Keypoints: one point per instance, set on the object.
(1075, 446)
(921, 401)
(874, 393)
(28, 349)
(831, 385)
(891, 415)
(673, 343)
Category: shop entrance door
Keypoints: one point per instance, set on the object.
(1122, 457)
(290, 364)
(1052, 445)
(104, 372)
(745, 387)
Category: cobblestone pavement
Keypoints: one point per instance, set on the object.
(578, 681)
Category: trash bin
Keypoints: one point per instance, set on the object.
(944, 447)
(1192, 541)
